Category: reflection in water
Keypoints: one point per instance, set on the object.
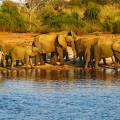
(59, 95)
(37, 75)
(105, 74)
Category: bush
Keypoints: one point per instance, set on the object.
(10, 19)
(112, 24)
(92, 13)
(116, 26)
(91, 17)
(60, 20)
(107, 25)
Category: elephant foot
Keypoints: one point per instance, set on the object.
(116, 66)
(86, 67)
(61, 64)
(67, 59)
(29, 66)
(97, 68)
(11, 68)
(73, 62)
(54, 63)
(42, 63)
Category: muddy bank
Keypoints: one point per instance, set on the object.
(56, 67)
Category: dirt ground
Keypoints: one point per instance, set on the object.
(25, 39)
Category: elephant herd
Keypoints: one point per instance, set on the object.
(89, 50)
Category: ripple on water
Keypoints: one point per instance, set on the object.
(60, 95)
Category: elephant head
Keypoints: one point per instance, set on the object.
(65, 41)
(35, 42)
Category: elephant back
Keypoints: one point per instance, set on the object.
(45, 43)
(104, 45)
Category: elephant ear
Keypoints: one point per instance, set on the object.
(62, 41)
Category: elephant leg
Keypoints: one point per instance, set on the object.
(30, 60)
(37, 59)
(87, 57)
(23, 62)
(65, 54)
(53, 58)
(116, 62)
(60, 53)
(104, 61)
(13, 63)
(27, 60)
(97, 57)
(44, 57)
(4, 62)
(82, 58)
(42, 62)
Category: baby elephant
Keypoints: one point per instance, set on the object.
(24, 54)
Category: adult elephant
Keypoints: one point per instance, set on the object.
(54, 43)
(24, 54)
(85, 49)
(70, 33)
(103, 49)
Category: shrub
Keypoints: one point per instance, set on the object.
(10, 19)
(60, 20)
(92, 12)
(112, 24)
(107, 25)
(116, 26)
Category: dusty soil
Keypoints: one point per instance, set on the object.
(25, 39)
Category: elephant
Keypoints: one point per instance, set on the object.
(103, 49)
(65, 52)
(85, 49)
(54, 43)
(116, 50)
(24, 54)
(5, 48)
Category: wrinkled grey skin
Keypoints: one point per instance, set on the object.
(53, 43)
(103, 49)
(23, 54)
(85, 50)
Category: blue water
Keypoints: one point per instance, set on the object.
(60, 95)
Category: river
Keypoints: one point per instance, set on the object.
(60, 95)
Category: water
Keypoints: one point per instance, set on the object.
(60, 95)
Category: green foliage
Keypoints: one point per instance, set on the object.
(116, 26)
(107, 25)
(92, 18)
(92, 12)
(57, 15)
(61, 20)
(10, 19)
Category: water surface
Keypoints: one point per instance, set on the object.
(60, 95)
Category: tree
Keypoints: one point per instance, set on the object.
(31, 6)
